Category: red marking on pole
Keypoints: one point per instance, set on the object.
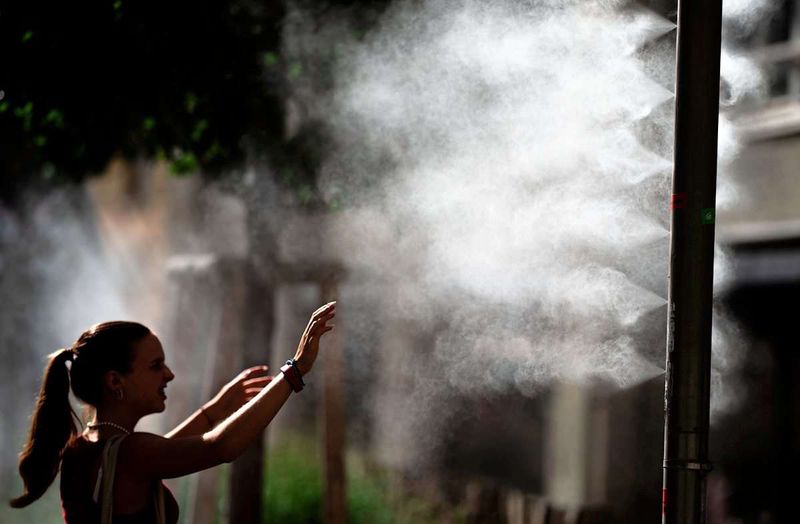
(664, 501)
(678, 201)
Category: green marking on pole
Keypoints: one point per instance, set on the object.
(707, 215)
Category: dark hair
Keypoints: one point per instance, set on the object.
(105, 347)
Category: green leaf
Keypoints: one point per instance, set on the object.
(25, 113)
(184, 163)
(27, 35)
(40, 140)
(295, 70)
(335, 205)
(305, 194)
(149, 123)
(270, 59)
(199, 128)
(212, 152)
(55, 118)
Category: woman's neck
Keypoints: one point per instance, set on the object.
(109, 421)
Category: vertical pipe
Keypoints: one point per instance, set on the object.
(687, 387)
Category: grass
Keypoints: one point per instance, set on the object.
(294, 481)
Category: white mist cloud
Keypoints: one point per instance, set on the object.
(746, 13)
(514, 183)
(740, 77)
(516, 160)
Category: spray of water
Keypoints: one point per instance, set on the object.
(742, 16)
(507, 168)
(513, 180)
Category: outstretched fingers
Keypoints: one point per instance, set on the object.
(257, 382)
(309, 341)
(318, 329)
(330, 306)
(319, 323)
(254, 388)
(253, 372)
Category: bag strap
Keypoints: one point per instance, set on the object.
(161, 516)
(108, 469)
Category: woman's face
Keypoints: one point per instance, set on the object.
(145, 384)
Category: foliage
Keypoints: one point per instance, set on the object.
(294, 483)
(294, 490)
(196, 83)
(202, 85)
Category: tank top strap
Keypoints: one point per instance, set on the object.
(105, 484)
(161, 513)
(105, 477)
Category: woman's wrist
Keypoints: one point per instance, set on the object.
(302, 368)
(293, 375)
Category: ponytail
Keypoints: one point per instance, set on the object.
(52, 426)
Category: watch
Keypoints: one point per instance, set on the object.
(293, 375)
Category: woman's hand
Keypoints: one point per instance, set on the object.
(237, 392)
(308, 348)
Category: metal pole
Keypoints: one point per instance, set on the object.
(687, 388)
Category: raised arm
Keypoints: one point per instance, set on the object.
(149, 456)
(231, 397)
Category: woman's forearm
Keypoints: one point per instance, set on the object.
(198, 423)
(239, 430)
(242, 428)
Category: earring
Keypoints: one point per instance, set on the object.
(120, 394)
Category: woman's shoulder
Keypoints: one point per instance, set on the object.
(85, 448)
(79, 463)
(87, 443)
(80, 446)
(79, 454)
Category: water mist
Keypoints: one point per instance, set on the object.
(506, 169)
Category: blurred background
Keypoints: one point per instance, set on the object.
(483, 186)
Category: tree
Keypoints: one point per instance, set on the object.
(195, 83)
(201, 85)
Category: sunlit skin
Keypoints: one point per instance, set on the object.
(243, 408)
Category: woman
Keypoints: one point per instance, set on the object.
(118, 368)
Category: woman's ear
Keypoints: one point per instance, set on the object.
(112, 381)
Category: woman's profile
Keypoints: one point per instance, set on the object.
(109, 470)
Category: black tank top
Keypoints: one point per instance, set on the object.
(79, 466)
